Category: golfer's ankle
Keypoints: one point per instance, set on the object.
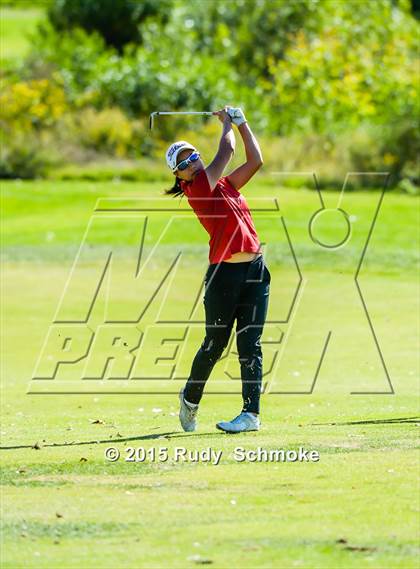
(190, 403)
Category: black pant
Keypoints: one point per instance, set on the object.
(233, 291)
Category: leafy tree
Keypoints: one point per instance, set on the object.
(244, 32)
(117, 21)
(311, 66)
(361, 66)
(415, 8)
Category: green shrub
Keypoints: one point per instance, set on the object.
(23, 157)
(142, 80)
(107, 131)
(359, 65)
(394, 149)
(406, 186)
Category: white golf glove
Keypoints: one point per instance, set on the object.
(237, 115)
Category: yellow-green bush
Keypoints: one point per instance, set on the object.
(108, 131)
(31, 104)
(29, 110)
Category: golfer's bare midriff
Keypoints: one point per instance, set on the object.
(241, 257)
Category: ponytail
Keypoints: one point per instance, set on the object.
(176, 189)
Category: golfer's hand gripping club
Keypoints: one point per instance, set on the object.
(223, 115)
(237, 115)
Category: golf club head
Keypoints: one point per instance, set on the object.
(151, 120)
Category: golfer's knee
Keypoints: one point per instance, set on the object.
(213, 347)
(248, 350)
(253, 362)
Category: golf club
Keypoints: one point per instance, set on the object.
(157, 113)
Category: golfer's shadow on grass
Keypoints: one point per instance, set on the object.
(396, 421)
(154, 436)
(177, 435)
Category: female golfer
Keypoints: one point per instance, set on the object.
(237, 281)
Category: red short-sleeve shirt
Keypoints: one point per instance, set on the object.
(225, 216)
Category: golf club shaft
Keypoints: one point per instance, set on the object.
(157, 113)
(183, 112)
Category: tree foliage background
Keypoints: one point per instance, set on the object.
(316, 67)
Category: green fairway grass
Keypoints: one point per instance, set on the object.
(15, 25)
(64, 505)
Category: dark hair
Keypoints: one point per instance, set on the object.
(176, 189)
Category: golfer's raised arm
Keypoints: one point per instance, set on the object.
(254, 159)
(225, 152)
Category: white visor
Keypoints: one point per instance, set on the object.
(174, 150)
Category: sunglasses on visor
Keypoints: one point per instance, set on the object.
(185, 163)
